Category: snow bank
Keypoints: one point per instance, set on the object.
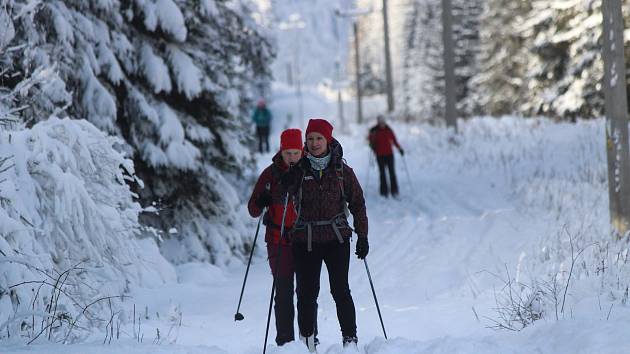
(555, 175)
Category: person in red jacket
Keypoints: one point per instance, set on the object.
(269, 193)
(381, 140)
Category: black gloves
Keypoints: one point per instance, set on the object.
(264, 199)
(290, 177)
(402, 152)
(363, 247)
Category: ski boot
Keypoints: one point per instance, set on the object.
(350, 342)
(310, 342)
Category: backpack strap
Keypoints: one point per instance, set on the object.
(339, 172)
(299, 198)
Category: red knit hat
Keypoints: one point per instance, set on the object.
(291, 139)
(321, 126)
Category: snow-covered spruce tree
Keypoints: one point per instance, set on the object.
(68, 232)
(174, 79)
(68, 219)
(466, 16)
(424, 70)
(498, 85)
(541, 58)
(410, 26)
(565, 65)
(372, 44)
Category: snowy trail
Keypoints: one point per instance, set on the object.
(426, 251)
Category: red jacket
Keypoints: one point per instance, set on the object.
(273, 218)
(381, 140)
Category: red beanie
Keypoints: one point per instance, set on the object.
(291, 139)
(321, 126)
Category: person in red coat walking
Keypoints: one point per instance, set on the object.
(269, 193)
(324, 188)
(381, 140)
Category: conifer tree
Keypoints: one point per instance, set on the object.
(424, 68)
(499, 86)
(174, 79)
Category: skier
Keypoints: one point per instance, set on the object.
(324, 188)
(268, 192)
(262, 118)
(381, 139)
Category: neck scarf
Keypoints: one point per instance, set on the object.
(319, 163)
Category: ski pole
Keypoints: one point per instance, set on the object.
(374, 294)
(239, 316)
(367, 183)
(408, 177)
(277, 269)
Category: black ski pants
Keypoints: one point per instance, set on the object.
(308, 266)
(263, 137)
(387, 162)
(284, 310)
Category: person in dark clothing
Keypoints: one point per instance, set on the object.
(324, 188)
(381, 139)
(269, 193)
(262, 118)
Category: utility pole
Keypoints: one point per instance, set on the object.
(388, 61)
(357, 64)
(354, 14)
(339, 98)
(616, 106)
(289, 74)
(450, 113)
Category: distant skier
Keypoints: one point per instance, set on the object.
(269, 193)
(262, 118)
(381, 139)
(324, 188)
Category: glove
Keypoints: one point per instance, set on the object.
(264, 199)
(289, 178)
(402, 152)
(363, 247)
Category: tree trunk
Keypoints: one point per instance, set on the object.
(388, 61)
(616, 106)
(449, 65)
(357, 64)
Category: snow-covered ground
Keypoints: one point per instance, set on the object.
(470, 211)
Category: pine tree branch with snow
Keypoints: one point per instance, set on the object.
(174, 80)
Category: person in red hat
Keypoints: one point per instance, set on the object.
(269, 193)
(324, 189)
